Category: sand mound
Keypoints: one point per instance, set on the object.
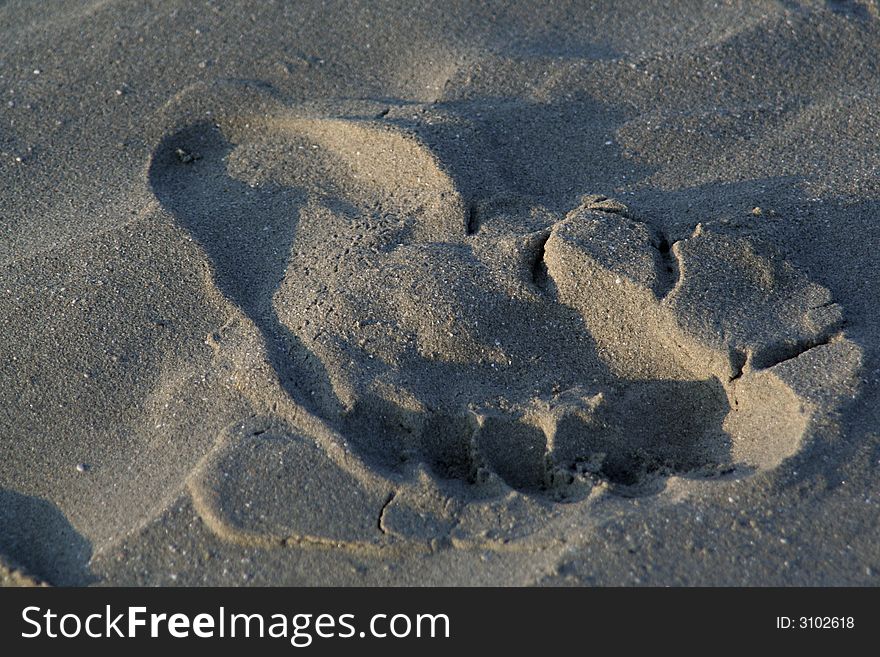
(403, 344)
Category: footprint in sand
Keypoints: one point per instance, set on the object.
(419, 369)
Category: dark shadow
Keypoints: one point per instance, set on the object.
(247, 233)
(541, 153)
(848, 8)
(35, 535)
(658, 427)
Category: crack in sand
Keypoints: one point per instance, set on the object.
(381, 521)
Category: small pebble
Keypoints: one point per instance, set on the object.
(82, 467)
(185, 156)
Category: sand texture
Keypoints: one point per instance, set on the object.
(383, 293)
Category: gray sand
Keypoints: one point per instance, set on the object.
(392, 294)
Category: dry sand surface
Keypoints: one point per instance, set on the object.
(439, 293)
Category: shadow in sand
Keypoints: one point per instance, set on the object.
(505, 157)
(247, 233)
(36, 535)
(543, 153)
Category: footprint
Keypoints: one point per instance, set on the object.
(440, 372)
(748, 323)
(267, 485)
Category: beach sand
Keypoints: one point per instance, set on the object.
(395, 293)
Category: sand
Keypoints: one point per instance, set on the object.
(361, 293)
